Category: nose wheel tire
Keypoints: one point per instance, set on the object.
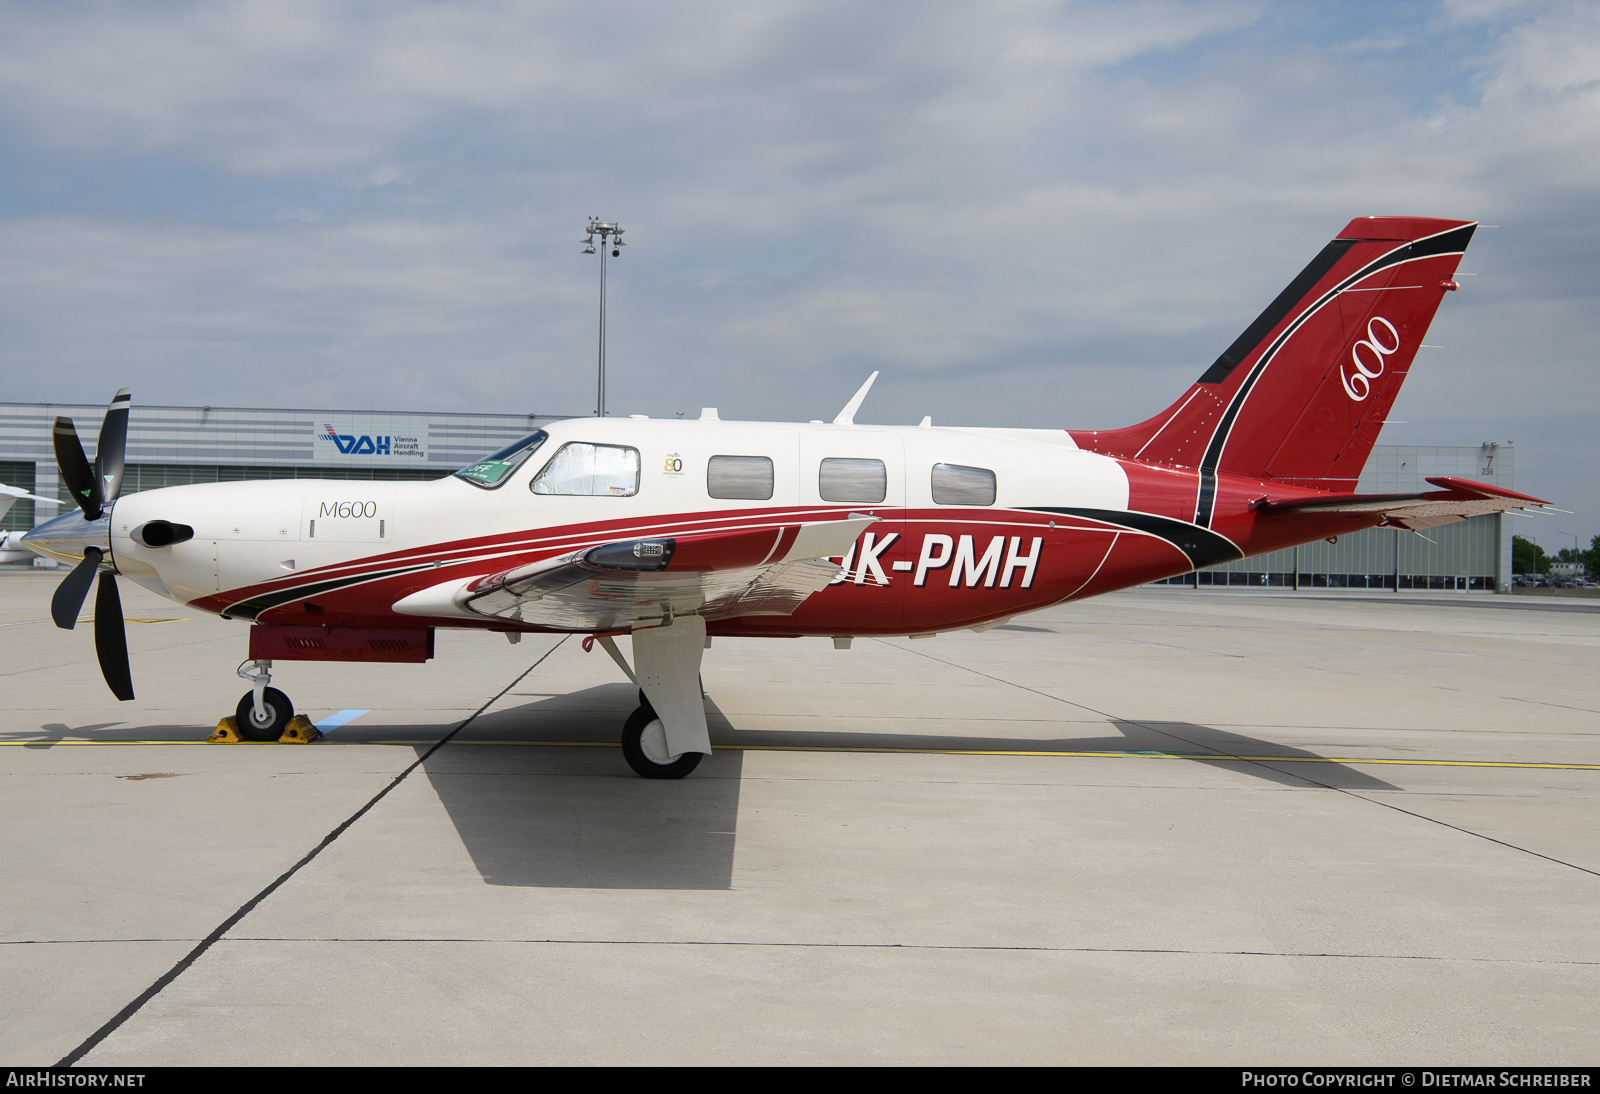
(279, 711)
(644, 745)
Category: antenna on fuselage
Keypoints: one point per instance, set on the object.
(847, 416)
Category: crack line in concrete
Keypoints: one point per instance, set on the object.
(250, 905)
(957, 947)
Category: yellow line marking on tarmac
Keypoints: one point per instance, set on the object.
(1131, 754)
(1199, 633)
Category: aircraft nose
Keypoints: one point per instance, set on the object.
(67, 536)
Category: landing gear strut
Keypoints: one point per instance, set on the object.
(665, 737)
(263, 712)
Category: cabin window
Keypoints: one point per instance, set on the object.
(591, 470)
(852, 480)
(745, 477)
(491, 471)
(957, 485)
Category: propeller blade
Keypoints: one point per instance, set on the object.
(112, 445)
(108, 453)
(111, 638)
(75, 469)
(70, 594)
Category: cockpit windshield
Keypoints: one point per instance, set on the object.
(491, 471)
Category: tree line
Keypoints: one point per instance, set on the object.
(1527, 557)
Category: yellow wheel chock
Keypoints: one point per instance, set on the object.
(300, 731)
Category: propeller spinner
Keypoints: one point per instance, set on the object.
(88, 534)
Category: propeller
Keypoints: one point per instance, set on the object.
(95, 488)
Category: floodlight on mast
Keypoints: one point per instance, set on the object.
(610, 240)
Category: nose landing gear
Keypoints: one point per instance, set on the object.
(269, 725)
(264, 713)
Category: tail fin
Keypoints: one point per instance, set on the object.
(1301, 395)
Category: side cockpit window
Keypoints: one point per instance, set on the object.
(957, 485)
(491, 471)
(744, 477)
(852, 480)
(591, 470)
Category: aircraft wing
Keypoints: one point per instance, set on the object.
(14, 551)
(641, 582)
(9, 494)
(1458, 500)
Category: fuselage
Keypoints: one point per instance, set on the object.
(974, 525)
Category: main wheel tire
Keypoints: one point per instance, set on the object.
(279, 711)
(642, 739)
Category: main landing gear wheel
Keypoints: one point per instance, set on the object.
(279, 711)
(644, 745)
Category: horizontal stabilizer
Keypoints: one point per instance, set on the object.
(1460, 499)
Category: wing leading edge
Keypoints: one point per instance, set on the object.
(648, 581)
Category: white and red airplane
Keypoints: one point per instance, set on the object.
(675, 531)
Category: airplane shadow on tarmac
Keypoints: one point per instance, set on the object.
(1298, 767)
(55, 732)
(577, 817)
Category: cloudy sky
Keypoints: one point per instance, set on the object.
(1028, 213)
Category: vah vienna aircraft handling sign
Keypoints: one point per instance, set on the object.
(352, 441)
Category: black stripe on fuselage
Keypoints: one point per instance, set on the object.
(1201, 546)
(1452, 242)
(252, 607)
(516, 544)
(1206, 500)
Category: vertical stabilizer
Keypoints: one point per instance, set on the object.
(1300, 396)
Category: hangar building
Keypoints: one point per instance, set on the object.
(173, 445)
(176, 445)
(1473, 555)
